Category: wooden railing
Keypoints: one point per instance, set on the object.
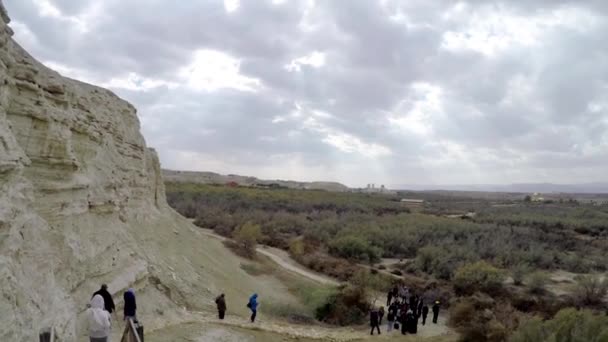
(131, 333)
(47, 335)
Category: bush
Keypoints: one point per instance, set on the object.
(519, 273)
(355, 248)
(474, 318)
(568, 325)
(247, 237)
(348, 306)
(479, 276)
(590, 290)
(537, 282)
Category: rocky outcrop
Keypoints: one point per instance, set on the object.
(74, 169)
(82, 202)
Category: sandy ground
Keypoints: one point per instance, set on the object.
(208, 328)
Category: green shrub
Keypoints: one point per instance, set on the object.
(590, 290)
(479, 276)
(519, 273)
(247, 237)
(537, 282)
(569, 325)
(355, 248)
(346, 307)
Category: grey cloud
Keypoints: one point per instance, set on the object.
(371, 63)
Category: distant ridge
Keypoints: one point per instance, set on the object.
(204, 177)
(547, 188)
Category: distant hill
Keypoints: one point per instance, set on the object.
(216, 178)
(546, 188)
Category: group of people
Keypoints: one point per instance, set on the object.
(405, 309)
(99, 313)
(252, 304)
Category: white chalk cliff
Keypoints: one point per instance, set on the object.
(82, 203)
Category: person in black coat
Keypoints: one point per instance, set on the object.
(374, 320)
(412, 322)
(425, 312)
(220, 301)
(403, 321)
(435, 312)
(130, 309)
(107, 298)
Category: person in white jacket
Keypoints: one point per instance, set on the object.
(99, 320)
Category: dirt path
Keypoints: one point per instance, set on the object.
(283, 259)
(204, 327)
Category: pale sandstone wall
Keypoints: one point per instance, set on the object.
(82, 202)
(74, 169)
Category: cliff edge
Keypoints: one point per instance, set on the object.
(82, 203)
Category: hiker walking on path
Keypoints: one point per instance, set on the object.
(220, 301)
(98, 320)
(374, 320)
(425, 312)
(130, 310)
(435, 311)
(107, 298)
(253, 306)
(380, 315)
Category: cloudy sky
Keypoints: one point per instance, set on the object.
(358, 91)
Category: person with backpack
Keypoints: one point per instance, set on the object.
(130, 308)
(220, 301)
(436, 311)
(425, 312)
(253, 306)
(374, 320)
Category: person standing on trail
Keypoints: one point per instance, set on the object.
(419, 308)
(130, 305)
(403, 321)
(107, 298)
(220, 301)
(413, 323)
(391, 316)
(425, 312)
(99, 321)
(380, 315)
(436, 311)
(374, 321)
(253, 306)
(389, 297)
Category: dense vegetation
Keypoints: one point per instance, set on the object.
(493, 258)
(365, 228)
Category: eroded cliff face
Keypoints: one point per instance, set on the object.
(82, 203)
(75, 177)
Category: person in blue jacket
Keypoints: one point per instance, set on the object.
(253, 306)
(130, 305)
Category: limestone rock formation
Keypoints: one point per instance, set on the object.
(82, 203)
